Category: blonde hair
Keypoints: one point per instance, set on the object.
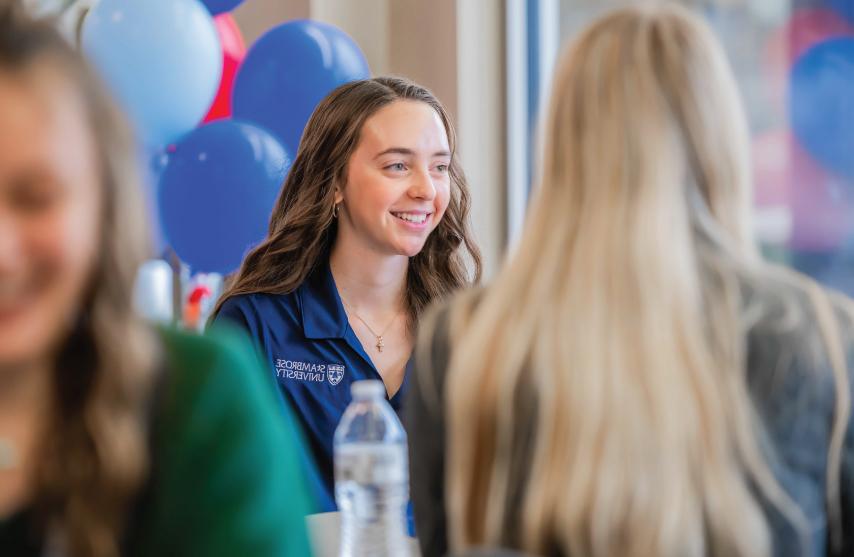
(611, 349)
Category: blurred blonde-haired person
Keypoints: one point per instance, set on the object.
(637, 381)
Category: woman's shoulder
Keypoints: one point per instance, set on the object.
(215, 404)
(186, 348)
(257, 310)
(439, 318)
(787, 312)
(220, 363)
(257, 301)
(219, 448)
(440, 325)
(796, 331)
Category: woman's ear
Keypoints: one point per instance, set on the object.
(339, 195)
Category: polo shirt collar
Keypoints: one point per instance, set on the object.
(323, 314)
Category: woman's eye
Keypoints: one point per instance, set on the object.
(34, 202)
(31, 196)
(397, 167)
(442, 168)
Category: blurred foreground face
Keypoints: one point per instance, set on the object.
(49, 213)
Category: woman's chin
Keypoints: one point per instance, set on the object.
(410, 250)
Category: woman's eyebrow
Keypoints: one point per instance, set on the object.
(396, 151)
(409, 152)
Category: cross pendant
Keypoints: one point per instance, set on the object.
(380, 343)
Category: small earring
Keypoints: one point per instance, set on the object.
(335, 211)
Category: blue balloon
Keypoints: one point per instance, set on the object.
(221, 6)
(217, 193)
(289, 70)
(845, 8)
(161, 58)
(822, 103)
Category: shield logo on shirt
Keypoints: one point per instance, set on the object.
(334, 372)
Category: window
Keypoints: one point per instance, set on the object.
(794, 63)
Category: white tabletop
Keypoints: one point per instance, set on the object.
(324, 531)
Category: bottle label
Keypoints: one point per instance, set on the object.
(371, 463)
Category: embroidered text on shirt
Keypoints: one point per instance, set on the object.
(309, 372)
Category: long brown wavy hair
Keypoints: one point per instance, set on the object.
(94, 458)
(303, 228)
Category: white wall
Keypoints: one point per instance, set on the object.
(482, 121)
(367, 21)
(254, 17)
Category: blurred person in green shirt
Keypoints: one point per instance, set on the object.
(116, 438)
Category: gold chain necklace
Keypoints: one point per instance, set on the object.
(380, 344)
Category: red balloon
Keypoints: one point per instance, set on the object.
(787, 179)
(233, 52)
(806, 28)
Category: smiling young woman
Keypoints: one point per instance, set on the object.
(370, 228)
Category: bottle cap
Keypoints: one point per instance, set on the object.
(367, 389)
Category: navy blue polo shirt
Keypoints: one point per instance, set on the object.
(315, 356)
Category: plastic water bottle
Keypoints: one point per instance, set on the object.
(371, 476)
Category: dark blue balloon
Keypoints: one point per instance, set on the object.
(289, 70)
(221, 6)
(217, 192)
(822, 103)
(845, 8)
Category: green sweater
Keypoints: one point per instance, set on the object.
(226, 479)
